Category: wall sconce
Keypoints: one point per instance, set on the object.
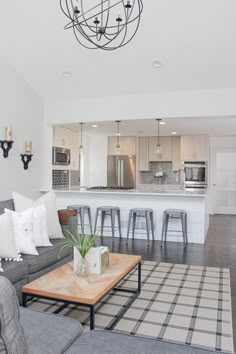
(6, 144)
(27, 157)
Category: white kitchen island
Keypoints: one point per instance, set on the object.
(195, 203)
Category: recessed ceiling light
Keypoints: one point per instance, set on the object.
(94, 126)
(173, 133)
(162, 123)
(156, 64)
(66, 74)
(117, 134)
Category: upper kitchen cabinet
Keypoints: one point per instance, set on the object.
(127, 145)
(176, 159)
(166, 148)
(62, 137)
(75, 143)
(68, 139)
(194, 148)
(143, 154)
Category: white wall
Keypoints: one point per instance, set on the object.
(98, 161)
(22, 109)
(169, 104)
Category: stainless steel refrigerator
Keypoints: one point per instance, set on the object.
(121, 171)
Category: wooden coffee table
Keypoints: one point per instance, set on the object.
(62, 284)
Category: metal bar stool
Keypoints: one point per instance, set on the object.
(111, 211)
(81, 210)
(175, 214)
(143, 213)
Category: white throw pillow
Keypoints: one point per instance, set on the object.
(8, 247)
(23, 231)
(49, 200)
(40, 232)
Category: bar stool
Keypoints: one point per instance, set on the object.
(175, 214)
(81, 210)
(143, 213)
(111, 211)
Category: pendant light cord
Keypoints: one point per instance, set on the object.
(81, 134)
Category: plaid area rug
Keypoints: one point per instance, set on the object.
(178, 303)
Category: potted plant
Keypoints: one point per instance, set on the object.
(82, 243)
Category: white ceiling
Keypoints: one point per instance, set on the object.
(214, 126)
(194, 40)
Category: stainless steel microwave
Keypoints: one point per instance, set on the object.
(60, 156)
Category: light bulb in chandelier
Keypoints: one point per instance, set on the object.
(103, 24)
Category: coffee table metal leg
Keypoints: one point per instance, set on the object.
(92, 317)
(139, 277)
(24, 300)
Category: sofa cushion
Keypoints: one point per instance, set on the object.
(47, 256)
(104, 342)
(6, 204)
(12, 340)
(14, 271)
(47, 333)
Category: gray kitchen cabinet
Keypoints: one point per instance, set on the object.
(194, 148)
(144, 154)
(127, 145)
(166, 148)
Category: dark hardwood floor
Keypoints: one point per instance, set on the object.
(219, 250)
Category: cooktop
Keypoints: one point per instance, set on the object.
(109, 188)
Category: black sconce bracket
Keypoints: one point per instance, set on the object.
(6, 147)
(25, 158)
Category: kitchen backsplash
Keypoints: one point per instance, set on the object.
(74, 178)
(60, 178)
(169, 177)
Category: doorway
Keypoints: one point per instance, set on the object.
(224, 181)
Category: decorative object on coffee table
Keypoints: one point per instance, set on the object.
(97, 257)
(83, 243)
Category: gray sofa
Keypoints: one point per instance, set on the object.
(32, 267)
(24, 331)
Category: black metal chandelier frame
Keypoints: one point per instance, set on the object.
(99, 32)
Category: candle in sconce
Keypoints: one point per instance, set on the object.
(8, 133)
(28, 147)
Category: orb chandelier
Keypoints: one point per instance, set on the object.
(103, 24)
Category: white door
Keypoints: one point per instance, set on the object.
(224, 181)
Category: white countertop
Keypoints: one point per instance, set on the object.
(173, 192)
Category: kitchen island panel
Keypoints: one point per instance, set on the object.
(196, 207)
